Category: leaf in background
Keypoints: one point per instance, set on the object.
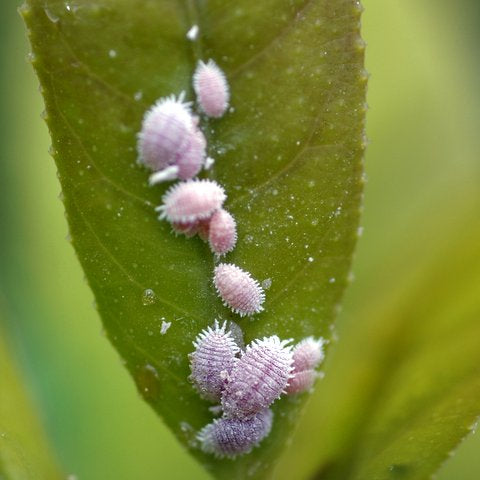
(289, 156)
(24, 452)
(403, 387)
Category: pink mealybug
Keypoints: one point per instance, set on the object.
(191, 200)
(238, 289)
(222, 235)
(203, 227)
(212, 361)
(301, 381)
(259, 377)
(230, 437)
(189, 229)
(166, 129)
(211, 87)
(308, 354)
(186, 163)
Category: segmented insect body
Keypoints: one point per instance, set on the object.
(191, 200)
(203, 227)
(211, 87)
(238, 289)
(222, 235)
(259, 377)
(307, 355)
(186, 163)
(166, 130)
(301, 381)
(192, 158)
(212, 361)
(189, 229)
(231, 437)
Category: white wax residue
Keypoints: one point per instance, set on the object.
(192, 34)
(165, 326)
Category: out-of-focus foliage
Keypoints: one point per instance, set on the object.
(423, 126)
(24, 454)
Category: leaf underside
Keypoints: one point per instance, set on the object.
(289, 155)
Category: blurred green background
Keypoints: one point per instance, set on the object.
(422, 162)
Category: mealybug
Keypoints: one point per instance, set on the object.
(212, 361)
(238, 289)
(259, 377)
(211, 87)
(230, 437)
(307, 355)
(186, 163)
(166, 129)
(301, 381)
(203, 227)
(189, 229)
(222, 235)
(191, 200)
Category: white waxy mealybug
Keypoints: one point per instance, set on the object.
(203, 227)
(301, 381)
(238, 289)
(307, 355)
(191, 200)
(166, 129)
(230, 437)
(187, 162)
(189, 229)
(222, 235)
(212, 361)
(211, 87)
(191, 160)
(259, 377)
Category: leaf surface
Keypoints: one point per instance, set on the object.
(289, 155)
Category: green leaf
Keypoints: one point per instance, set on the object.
(289, 156)
(24, 452)
(402, 388)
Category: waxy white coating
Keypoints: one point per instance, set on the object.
(258, 378)
(307, 355)
(231, 437)
(238, 290)
(186, 163)
(222, 235)
(211, 87)
(191, 200)
(166, 129)
(212, 361)
(301, 381)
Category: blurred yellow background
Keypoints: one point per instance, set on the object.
(422, 162)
